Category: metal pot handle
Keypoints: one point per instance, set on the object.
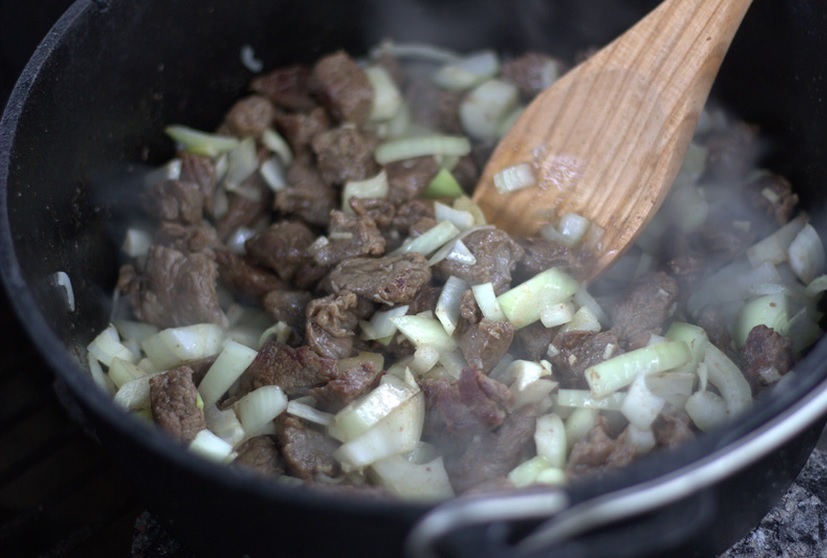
(549, 518)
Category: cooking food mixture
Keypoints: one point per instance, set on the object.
(320, 301)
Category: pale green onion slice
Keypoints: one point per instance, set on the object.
(242, 162)
(817, 286)
(386, 98)
(276, 143)
(523, 304)
(360, 415)
(770, 310)
(484, 109)
(573, 228)
(173, 346)
(374, 187)
(447, 306)
(272, 171)
(429, 241)
(707, 410)
(381, 325)
(122, 372)
(224, 423)
(487, 301)
(527, 472)
(133, 331)
(515, 177)
(674, 387)
(641, 439)
(696, 341)
(134, 394)
(415, 51)
(806, 254)
(411, 481)
(618, 372)
(641, 407)
(421, 146)
(98, 375)
(107, 346)
(557, 314)
(583, 320)
(583, 398)
(257, 409)
(579, 423)
(443, 185)
(425, 331)
(731, 384)
(468, 72)
(227, 368)
(774, 248)
(201, 143)
(424, 359)
(583, 298)
(462, 219)
(209, 446)
(308, 413)
(550, 440)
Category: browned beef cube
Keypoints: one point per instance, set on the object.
(380, 210)
(529, 72)
(411, 212)
(644, 309)
(250, 116)
(201, 171)
(306, 452)
(496, 257)
(175, 200)
(408, 179)
(187, 238)
(579, 350)
(177, 289)
(245, 210)
(307, 196)
(532, 341)
(772, 195)
(766, 356)
(331, 323)
(348, 386)
(286, 87)
(343, 88)
(541, 254)
(349, 236)
(432, 107)
(282, 247)
(288, 307)
(299, 129)
(388, 280)
(599, 451)
(295, 371)
(245, 278)
(260, 454)
(672, 428)
(174, 401)
(484, 344)
(344, 154)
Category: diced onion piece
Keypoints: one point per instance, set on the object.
(487, 301)
(641, 407)
(421, 146)
(468, 72)
(360, 415)
(424, 331)
(583, 320)
(98, 375)
(173, 346)
(242, 162)
(224, 423)
(558, 314)
(425, 482)
(641, 439)
(573, 228)
(227, 368)
(64, 283)
(276, 143)
(550, 439)
(374, 187)
(272, 171)
(429, 241)
(249, 60)
(526, 473)
(467, 204)
(201, 143)
(136, 243)
(707, 410)
(817, 286)
(447, 306)
(774, 248)
(485, 107)
(584, 299)
(728, 379)
(579, 423)
(308, 413)
(381, 324)
(424, 359)
(696, 341)
(169, 171)
(280, 331)
(806, 254)
(107, 346)
(425, 52)
(770, 310)
(443, 185)
(386, 98)
(582, 398)
(135, 331)
(552, 477)
(122, 372)
(674, 387)
(463, 220)
(515, 177)
(523, 304)
(257, 409)
(209, 446)
(134, 394)
(618, 372)
(398, 432)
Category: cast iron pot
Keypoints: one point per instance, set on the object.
(86, 118)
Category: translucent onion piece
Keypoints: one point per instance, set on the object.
(426, 482)
(515, 177)
(136, 243)
(387, 99)
(487, 301)
(421, 146)
(272, 171)
(485, 107)
(224, 423)
(468, 72)
(773, 249)
(227, 368)
(463, 220)
(583, 398)
(707, 410)
(641, 407)
(731, 384)
(429, 241)
(201, 143)
(527, 472)
(424, 331)
(134, 394)
(381, 324)
(524, 303)
(209, 446)
(374, 187)
(107, 345)
(257, 409)
(276, 143)
(360, 415)
(618, 372)
(308, 413)
(447, 306)
(806, 254)
(550, 439)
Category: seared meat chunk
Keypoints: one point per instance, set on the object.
(541, 254)
(343, 88)
(532, 72)
(288, 307)
(772, 195)
(187, 238)
(483, 344)
(175, 200)
(644, 309)
(349, 236)
(295, 371)
(331, 323)
(492, 455)
(380, 210)
(174, 402)
(200, 170)
(250, 116)
(243, 211)
(286, 87)
(260, 454)
(282, 247)
(533, 340)
(299, 129)
(348, 386)
(408, 179)
(473, 404)
(344, 154)
(307, 196)
(579, 350)
(412, 212)
(245, 278)
(766, 356)
(496, 257)
(672, 428)
(175, 289)
(387, 280)
(306, 452)
(599, 451)
(433, 107)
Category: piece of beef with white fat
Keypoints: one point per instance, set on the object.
(307, 196)
(765, 357)
(345, 154)
(496, 255)
(261, 455)
(578, 350)
(387, 280)
(286, 87)
(483, 344)
(348, 236)
(295, 370)
(174, 289)
(174, 402)
(409, 178)
(463, 408)
(331, 323)
(250, 116)
(349, 385)
(245, 278)
(342, 87)
(307, 453)
(282, 247)
(494, 454)
(644, 309)
(175, 200)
